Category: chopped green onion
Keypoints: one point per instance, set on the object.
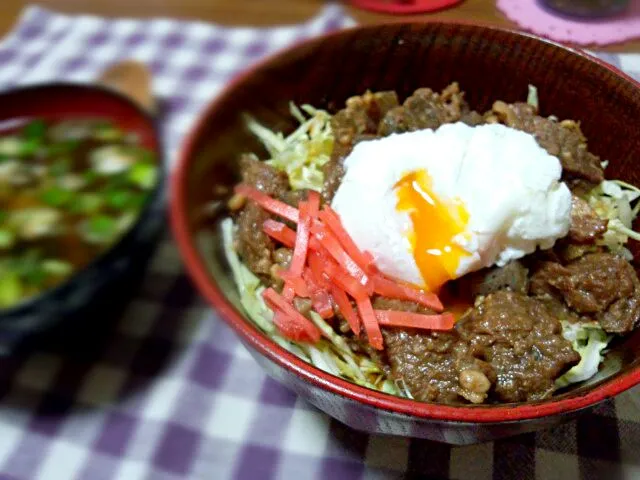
(117, 182)
(126, 221)
(57, 267)
(100, 229)
(61, 166)
(119, 199)
(123, 199)
(36, 276)
(62, 147)
(10, 146)
(29, 268)
(7, 239)
(107, 132)
(86, 203)
(57, 197)
(36, 222)
(10, 288)
(102, 225)
(90, 176)
(146, 156)
(35, 130)
(112, 159)
(71, 182)
(29, 147)
(144, 175)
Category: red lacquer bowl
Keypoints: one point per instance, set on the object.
(489, 64)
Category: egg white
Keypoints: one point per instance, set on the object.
(508, 184)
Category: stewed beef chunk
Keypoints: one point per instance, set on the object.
(472, 118)
(602, 286)
(561, 139)
(254, 246)
(586, 226)
(522, 343)
(509, 348)
(362, 115)
(263, 176)
(513, 276)
(433, 366)
(426, 109)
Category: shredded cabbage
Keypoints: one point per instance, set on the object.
(303, 153)
(613, 200)
(532, 97)
(589, 340)
(250, 289)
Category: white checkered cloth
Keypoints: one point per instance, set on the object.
(170, 393)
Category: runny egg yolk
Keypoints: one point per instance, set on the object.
(435, 224)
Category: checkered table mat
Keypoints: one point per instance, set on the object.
(168, 392)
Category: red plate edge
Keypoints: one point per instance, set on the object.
(280, 356)
(401, 8)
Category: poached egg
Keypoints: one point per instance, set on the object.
(433, 205)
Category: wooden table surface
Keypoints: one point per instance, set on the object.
(251, 12)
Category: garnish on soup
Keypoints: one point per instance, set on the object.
(68, 191)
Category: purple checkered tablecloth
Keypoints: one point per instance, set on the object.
(168, 392)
